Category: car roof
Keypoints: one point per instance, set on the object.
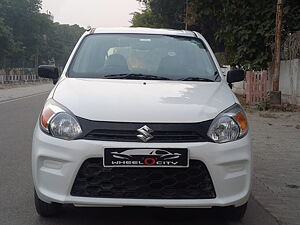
(142, 30)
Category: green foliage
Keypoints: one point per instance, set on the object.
(7, 43)
(244, 29)
(171, 14)
(29, 38)
(249, 38)
(161, 14)
(62, 40)
(146, 19)
(206, 20)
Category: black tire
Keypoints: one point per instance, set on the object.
(45, 209)
(234, 213)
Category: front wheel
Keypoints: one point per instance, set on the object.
(234, 213)
(45, 209)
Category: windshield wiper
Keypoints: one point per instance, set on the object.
(196, 79)
(138, 76)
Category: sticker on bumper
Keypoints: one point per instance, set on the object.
(145, 157)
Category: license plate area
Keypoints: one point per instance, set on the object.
(146, 157)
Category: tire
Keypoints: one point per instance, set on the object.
(46, 209)
(234, 213)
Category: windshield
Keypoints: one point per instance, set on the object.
(138, 56)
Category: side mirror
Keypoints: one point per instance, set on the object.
(48, 71)
(235, 76)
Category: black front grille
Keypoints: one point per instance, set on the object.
(93, 180)
(162, 132)
(131, 136)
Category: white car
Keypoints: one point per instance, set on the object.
(138, 89)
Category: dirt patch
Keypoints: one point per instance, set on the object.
(264, 106)
(268, 115)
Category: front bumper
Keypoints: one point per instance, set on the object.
(55, 164)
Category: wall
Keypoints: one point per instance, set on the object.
(290, 81)
(239, 88)
(19, 75)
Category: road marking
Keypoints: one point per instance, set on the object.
(24, 97)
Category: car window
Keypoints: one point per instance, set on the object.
(161, 152)
(167, 56)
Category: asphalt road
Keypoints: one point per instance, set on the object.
(17, 121)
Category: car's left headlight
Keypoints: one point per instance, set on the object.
(230, 125)
(57, 121)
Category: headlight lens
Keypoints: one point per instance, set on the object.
(64, 126)
(228, 126)
(59, 122)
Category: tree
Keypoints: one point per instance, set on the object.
(29, 38)
(244, 29)
(202, 17)
(249, 39)
(8, 46)
(205, 18)
(146, 19)
(62, 40)
(161, 14)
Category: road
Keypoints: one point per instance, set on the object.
(17, 120)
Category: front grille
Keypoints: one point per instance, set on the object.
(131, 136)
(162, 132)
(93, 180)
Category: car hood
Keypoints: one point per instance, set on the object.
(143, 101)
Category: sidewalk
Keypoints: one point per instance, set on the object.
(276, 155)
(23, 91)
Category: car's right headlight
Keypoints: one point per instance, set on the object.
(229, 125)
(57, 121)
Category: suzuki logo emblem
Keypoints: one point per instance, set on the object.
(145, 133)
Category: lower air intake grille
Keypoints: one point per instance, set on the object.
(93, 180)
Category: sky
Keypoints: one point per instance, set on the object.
(94, 13)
